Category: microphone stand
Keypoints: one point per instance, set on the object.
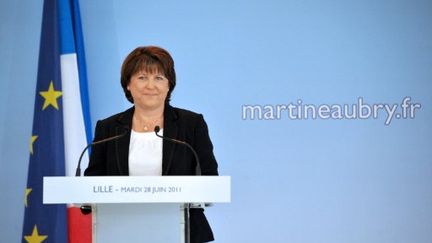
(86, 209)
(187, 206)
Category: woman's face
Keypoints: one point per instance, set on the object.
(149, 90)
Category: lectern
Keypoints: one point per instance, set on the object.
(138, 208)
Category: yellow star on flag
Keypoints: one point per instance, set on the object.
(27, 192)
(32, 140)
(50, 96)
(35, 237)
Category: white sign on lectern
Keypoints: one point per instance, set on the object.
(137, 208)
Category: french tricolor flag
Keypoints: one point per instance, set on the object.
(76, 114)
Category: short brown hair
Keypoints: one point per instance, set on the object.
(150, 59)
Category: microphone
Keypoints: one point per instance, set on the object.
(198, 166)
(86, 209)
(78, 169)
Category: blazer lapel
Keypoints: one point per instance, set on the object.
(170, 131)
(122, 144)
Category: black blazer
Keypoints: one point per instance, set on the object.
(111, 158)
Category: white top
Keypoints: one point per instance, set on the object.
(145, 154)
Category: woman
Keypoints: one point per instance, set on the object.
(148, 79)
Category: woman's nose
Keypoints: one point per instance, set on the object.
(150, 83)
